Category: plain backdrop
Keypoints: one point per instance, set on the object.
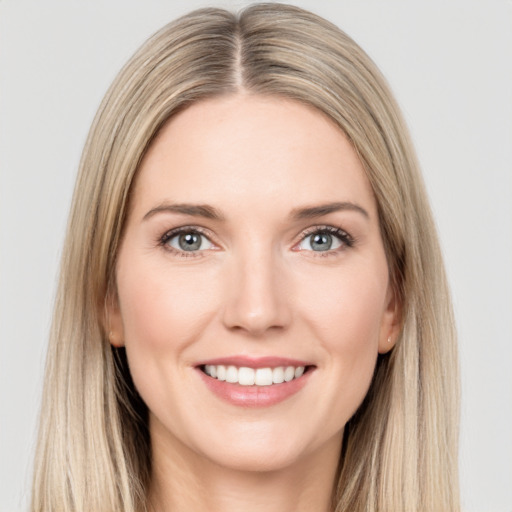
(450, 66)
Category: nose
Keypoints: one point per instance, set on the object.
(257, 299)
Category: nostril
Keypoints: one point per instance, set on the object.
(257, 301)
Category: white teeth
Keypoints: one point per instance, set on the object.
(246, 376)
(249, 376)
(278, 375)
(221, 372)
(231, 374)
(289, 373)
(263, 377)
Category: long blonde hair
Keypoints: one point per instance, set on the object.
(400, 449)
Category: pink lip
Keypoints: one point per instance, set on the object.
(254, 396)
(254, 362)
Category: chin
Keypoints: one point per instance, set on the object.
(262, 448)
(254, 459)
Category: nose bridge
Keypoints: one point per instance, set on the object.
(256, 300)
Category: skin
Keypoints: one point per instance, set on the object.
(254, 288)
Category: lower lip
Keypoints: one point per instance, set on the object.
(254, 396)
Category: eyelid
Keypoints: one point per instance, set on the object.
(344, 236)
(171, 233)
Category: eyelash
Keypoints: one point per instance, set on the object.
(345, 238)
(168, 235)
(347, 241)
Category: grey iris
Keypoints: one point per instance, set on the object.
(189, 241)
(321, 242)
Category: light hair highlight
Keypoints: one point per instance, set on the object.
(400, 448)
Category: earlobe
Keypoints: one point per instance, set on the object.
(391, 323)
(115, 339)
(113, 321)
(386, 345)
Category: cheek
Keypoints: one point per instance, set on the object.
(160, 308)
(346, 306)
(345, 315)
(163, 313)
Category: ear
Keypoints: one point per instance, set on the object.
(113, 322)
(391, 324)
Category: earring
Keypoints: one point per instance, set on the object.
(115, 339)
(389, 339)
(112, 339)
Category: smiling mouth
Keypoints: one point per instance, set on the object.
(245, 376)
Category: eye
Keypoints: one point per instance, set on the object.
(325, 239)
(188, 240)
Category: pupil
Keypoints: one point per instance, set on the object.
(190, 242)
(321, 242)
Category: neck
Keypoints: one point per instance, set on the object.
(184, 481)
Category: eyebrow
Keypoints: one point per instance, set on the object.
(325, 209)
(209, 212)
(196, 210)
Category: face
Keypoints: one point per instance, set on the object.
(253, 293)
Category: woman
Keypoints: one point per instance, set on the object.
(252, 309)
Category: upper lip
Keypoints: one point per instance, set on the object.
(255, 362)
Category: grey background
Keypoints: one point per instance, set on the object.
(450, 65)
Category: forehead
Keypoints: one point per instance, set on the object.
(245, 149)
